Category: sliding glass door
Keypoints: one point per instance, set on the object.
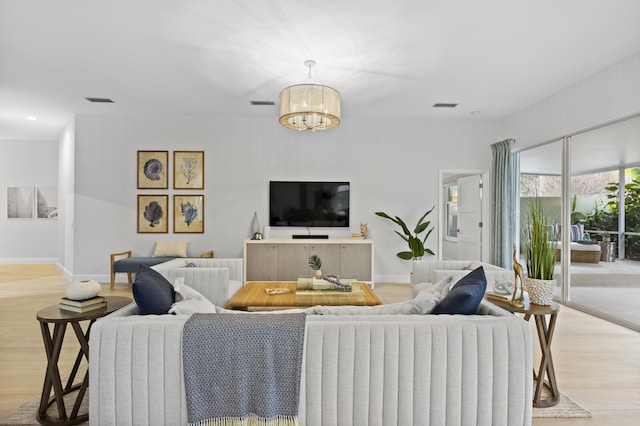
(541, 180)
(590, 181)
(605, 191)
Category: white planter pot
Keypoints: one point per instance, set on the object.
(540, 291)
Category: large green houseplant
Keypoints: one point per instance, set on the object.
(539, 247)
(416, 244)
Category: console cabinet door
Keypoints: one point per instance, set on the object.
(330, 256)
(262, 262)
(356, 261)
(293, 261)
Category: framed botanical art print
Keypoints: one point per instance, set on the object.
(153, 214)
(188, 169)
(153, 169)
(188, 214)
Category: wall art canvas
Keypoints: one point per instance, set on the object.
(153, 214)
(153, 169)
(20, 202)
(188, 214)
(46, 202)
(188, 169)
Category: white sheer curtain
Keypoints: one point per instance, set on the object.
(504, 198)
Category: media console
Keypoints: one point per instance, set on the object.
(281, 259)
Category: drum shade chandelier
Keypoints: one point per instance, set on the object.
(309, 106)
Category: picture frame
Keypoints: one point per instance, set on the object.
(188, 169)
(153, 169)
(20, 202)
(153, 214)
(47, 202)
(188, 214)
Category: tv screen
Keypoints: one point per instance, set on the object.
(317, 204)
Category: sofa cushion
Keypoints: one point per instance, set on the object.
(189, 301)
(465, 295)
(439, 275)
(577, 232)
(429, 297)
(171, 248)
(399, 308)
(152, 292)
(132, 264)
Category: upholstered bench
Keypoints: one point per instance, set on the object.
(125, 262)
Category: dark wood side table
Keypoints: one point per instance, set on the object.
(545, 335)
(53, 345)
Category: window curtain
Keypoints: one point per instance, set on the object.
(504, 199)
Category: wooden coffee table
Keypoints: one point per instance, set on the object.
(253, 297)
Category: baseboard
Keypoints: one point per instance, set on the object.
(399, 279)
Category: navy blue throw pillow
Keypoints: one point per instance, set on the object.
(465, 296)
(152, 292)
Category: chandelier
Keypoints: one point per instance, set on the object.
(309, 106)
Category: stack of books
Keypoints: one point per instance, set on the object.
(81, 306)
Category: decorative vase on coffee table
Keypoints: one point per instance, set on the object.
(540, 291)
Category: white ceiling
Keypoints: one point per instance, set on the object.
(214, 57)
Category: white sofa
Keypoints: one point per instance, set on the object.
(357, 369)
(426, 272)
(218, 279)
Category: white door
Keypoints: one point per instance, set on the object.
(470, 218)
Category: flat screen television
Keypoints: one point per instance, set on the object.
(309, 204)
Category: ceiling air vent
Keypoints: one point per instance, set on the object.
(100, 100)
(262, 103)
(444, 105)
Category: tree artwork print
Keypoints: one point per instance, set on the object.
(188, 169)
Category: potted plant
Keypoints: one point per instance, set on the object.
(539, 244)
(315, 263)
(416, 244)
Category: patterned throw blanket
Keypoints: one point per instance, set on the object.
(243, 369)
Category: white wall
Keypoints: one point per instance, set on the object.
(27, 164)
(66, 188)
(605, 96)
(392, 166)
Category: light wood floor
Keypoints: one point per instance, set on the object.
(597, 363)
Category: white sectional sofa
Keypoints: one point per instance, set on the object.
(357, 369)
(218, 279)
(426, 272)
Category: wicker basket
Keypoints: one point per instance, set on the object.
(540, 291)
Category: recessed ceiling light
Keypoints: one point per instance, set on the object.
(32, 118)
(444, 105)
(475, 112)
(100, 100)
